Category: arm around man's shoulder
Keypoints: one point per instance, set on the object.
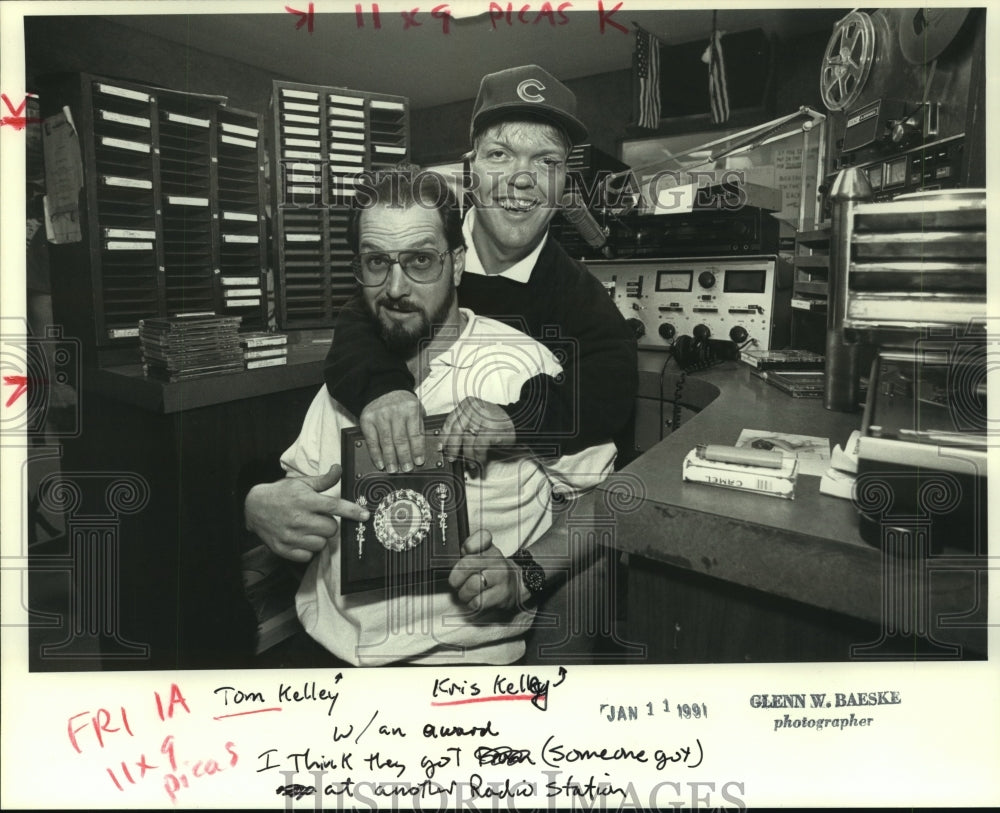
(598, 354)
(584, 301)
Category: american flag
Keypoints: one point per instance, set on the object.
(647, 52)
(718, 95)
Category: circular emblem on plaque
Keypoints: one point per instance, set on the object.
(402, 520)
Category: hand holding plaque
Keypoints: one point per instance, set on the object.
(393, 428)
(473, 428)
(293, 516)
(418, 519)
(484, 579)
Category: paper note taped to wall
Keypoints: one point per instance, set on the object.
(63, 178)
(61, 227)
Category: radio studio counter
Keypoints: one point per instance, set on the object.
(717, 575)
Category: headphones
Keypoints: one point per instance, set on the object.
(698, 353)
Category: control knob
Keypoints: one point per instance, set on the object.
(666, 330)
(906, 131)
(638, 328)
(738, 334)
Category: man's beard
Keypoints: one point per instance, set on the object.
(405, 341)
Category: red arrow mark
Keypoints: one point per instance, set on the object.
(305, 17)
(18, 381)
(17, 121)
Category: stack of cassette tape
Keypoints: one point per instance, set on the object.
(242, 236)
(185, 181)
(263, 349)
(128, 241)
(179, 348)
(918, 263)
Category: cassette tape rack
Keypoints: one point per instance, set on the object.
(171, 212)
(322, 139)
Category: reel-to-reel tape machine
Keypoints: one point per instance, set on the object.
(905, 92)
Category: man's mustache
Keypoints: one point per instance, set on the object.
(399, 305)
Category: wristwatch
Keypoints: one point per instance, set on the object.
(531, 572)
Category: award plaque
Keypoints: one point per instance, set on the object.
(418, 522)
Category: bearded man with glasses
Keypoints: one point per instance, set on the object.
(409, 260)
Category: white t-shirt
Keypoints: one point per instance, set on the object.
(491, 361)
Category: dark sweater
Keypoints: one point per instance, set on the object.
(565, 308)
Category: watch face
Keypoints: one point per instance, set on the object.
(534, 576)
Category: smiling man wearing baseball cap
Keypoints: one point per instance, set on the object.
(524, 124)
(523, 127)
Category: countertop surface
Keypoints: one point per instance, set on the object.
(808, 549)
(127, 383)
(743, 401)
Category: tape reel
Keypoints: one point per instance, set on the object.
(847, 61)
(926, 33)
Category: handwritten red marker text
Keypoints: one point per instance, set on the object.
(510, 14)
(86, 728)
(16, 120)
(20, 384)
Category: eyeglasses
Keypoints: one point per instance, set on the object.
(371, 268)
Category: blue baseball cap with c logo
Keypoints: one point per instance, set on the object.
(527, 91)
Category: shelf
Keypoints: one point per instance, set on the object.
(324, 139)
(160, 167)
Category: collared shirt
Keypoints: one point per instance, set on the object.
(519, 271)
(489, 360)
